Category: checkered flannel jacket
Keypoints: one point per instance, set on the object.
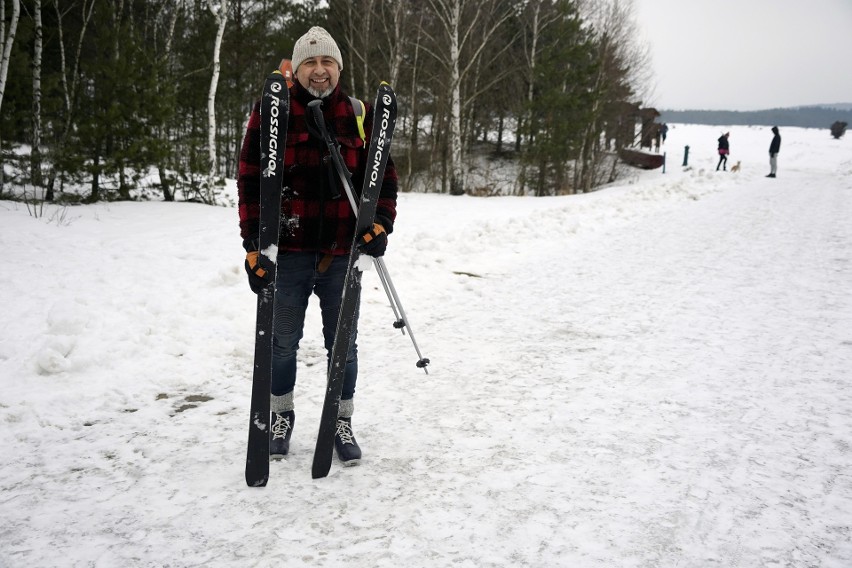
(315, 213)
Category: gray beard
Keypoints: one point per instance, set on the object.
(319, 94)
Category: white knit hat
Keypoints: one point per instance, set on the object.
(316, 43)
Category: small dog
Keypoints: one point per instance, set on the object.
(735, 167)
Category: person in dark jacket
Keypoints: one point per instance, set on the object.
(317, 228)
(724, 150)
(774, 148)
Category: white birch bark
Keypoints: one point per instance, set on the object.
(460, 32)
(7, 39)
(456, 170)
(221, 15)
(35, 157)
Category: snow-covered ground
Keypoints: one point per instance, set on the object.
(653, 375)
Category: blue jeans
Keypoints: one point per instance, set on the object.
(297, 277)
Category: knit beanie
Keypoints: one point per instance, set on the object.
(316, 43)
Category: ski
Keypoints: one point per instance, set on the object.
(384, 120)
(274, 113)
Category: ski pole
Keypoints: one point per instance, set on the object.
(401, 320)
(384, 276)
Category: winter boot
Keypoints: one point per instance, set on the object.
(344, 442)
(279, 434)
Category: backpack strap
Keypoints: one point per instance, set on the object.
(358, 107)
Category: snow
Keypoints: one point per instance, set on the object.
(655, 374)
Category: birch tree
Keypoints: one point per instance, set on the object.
(536, 23)
(359, 37)
(7, 39)
(35, 157)
(220, 13)
(458, 22)
(413, 114)
(165, 84)
(69, 81)
(395, 20)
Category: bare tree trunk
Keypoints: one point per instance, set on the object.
(449, 13)
(459, 31)
(397, 41)
(456, 170)
(221, 15)
(366, 19)
(357, 34)
(69, 91)
(168, 194)
(532, 58)
(164, 184)
(117, 16)
(349, 33)
(96, 175)
(414, 117)
(399, 52)
(35, 155)
(7, 39)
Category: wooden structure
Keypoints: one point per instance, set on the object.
(641, 158)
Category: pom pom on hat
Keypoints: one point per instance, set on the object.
(316, 43)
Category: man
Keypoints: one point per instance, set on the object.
(774, 147)
(317, 227)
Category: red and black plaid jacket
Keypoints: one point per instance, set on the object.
(312, 218)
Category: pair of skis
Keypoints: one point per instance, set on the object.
(272, 137)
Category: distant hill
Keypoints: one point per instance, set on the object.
(819, 116)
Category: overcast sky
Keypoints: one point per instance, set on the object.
(748, 54)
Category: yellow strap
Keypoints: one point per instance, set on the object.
(358, 107)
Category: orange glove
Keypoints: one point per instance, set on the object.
(258, 276)
(375, 241)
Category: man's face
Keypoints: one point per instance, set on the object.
(319, 75)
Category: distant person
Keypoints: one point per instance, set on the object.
(774, 148)
(664, 129)
(724, 150)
